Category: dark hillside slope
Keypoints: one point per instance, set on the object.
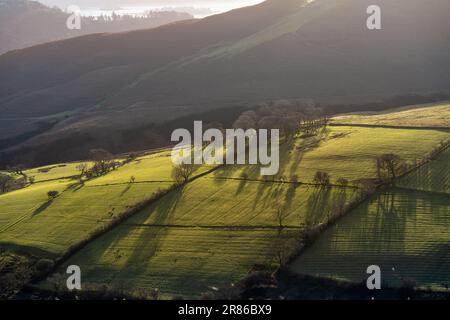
(280, 49)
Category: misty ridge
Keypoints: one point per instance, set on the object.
(26, 23)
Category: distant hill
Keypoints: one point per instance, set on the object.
(104, 89)
(25, 23)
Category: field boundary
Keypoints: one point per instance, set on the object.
(122, 217)
(225, 227)
(387, 126)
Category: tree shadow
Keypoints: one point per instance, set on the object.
(317, 205)
(126, 189)
(151, 236)
(42, 207)
(74, 187)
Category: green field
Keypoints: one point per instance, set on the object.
(345, 152)
(213, 230)
(190, 240)
(427, 116)
(433, 176)
(30, 221)
(404, 231)
(54, 172)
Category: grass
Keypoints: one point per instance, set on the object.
(346, 152)
(32, 220)
(434, 176)
(214, 229)
(150, 168)
(54, 172)
(403, 232)
(191, 241)
(431, 116)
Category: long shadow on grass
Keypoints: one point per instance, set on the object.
(42, 207)
(124, 191)
(150, 239)
(132, 235)
(318, 205)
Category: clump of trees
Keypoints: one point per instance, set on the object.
(284, 250)
(103, 163)
(52, 194)
(343, 182)
(9, 183)
(290, 117)
(389, 166)
(280, 216)
(322, 178)
(5, 182)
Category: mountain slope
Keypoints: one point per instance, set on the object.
(24, 23)
(279, 49)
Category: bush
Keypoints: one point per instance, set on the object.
(257, 279)
(244, 175)
(322, 178)
(342, 182)
(182, 172)
(52, 194)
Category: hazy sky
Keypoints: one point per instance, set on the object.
(197, 3)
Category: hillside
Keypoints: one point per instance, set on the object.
(418, 116)
(25, 23)
(404, 230)
(227, 220)
(280, 49)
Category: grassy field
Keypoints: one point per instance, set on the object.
(33, 222)
(150, 168)
(430, 116)
(404, 231)
(344, 152)
(54, 172)
(191, 241)
(433, 176)
(214, 229)
(30, 221)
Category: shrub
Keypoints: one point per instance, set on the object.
(181, 173)
(44, 266)
(322, 178)
(342, 182)
(52, 194)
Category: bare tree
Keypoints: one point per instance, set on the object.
(283, 250)
(83, 168)
(182, 172)
(103, 161)
(389, 166)
(52, 194)
(5, 181)
(322, 178)
(280, 216)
